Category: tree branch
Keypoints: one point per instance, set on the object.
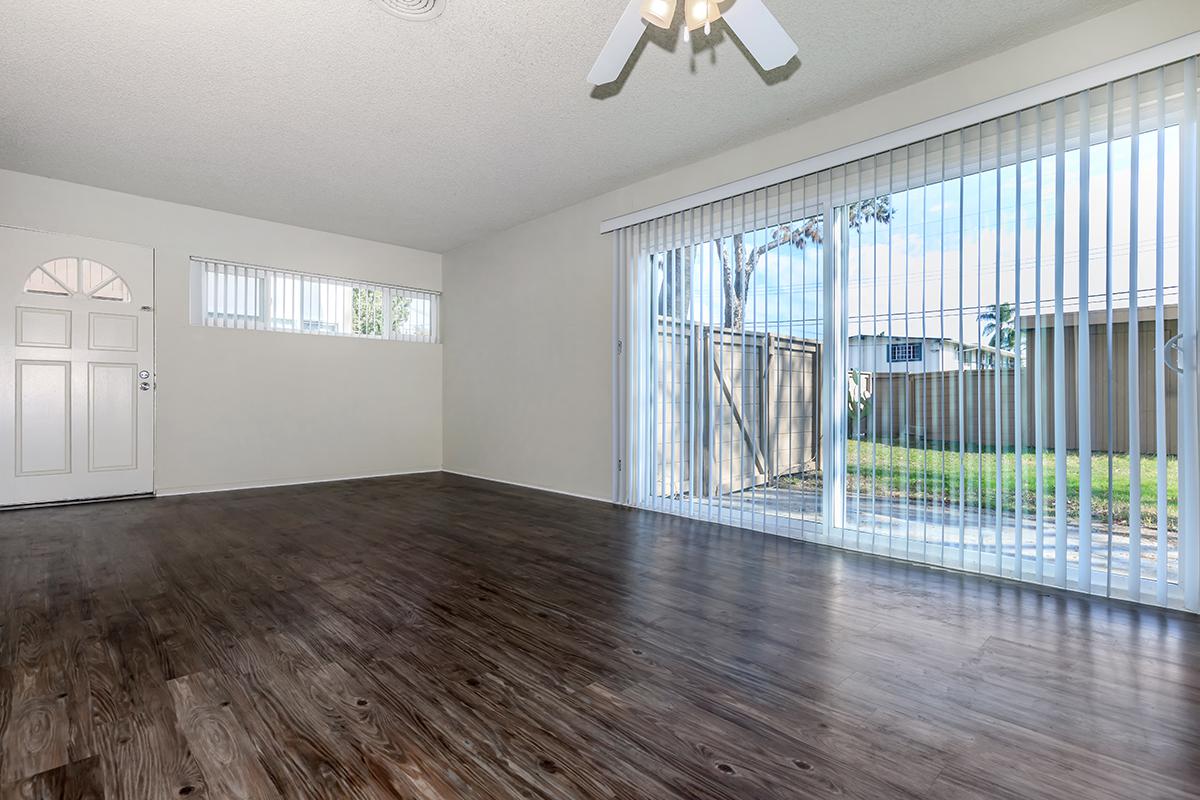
(782, 236)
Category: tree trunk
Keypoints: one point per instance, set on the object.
(736, 280)
(677, 282)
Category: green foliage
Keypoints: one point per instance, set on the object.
(858, 396)
(1000, 328)
(873, 209)
(367, 308)
(931, 475)
(367, 317)
(401, 310)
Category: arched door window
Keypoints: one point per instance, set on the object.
(78, 277)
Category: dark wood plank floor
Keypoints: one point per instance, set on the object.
(435, 636)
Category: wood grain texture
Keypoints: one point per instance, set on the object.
(225, 753)
(441, 637)
(80, 780)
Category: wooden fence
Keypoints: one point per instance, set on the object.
(736, 409)
(733, 409)
(918, 408)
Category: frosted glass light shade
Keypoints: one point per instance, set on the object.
(659, 12)
(698, 12)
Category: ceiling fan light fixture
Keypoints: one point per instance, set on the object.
(700, 14)
(749, 20)
(659, 12)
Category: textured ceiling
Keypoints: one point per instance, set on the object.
(333, 114)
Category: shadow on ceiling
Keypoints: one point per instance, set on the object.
(701, 45)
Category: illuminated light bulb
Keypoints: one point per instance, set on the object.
(700, 13)
(659, 12)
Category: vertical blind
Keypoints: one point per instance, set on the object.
(229, 295)
(976, 351)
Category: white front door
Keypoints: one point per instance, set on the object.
(76, 368)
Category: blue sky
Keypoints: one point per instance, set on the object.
(921, 248)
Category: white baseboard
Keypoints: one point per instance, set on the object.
(528, 486)
(211, 489)
(183, 490)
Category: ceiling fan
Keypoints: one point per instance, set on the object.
(749, 20)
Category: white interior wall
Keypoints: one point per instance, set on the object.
(527, 323)
(248, 408)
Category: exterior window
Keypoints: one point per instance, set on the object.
(227, 295)
(78, 277)
(905, 353)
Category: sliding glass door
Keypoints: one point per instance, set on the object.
(1012, 322)
(976, 351)
(731, 355)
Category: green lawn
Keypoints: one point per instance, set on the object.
(932, 475)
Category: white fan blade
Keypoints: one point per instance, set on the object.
(620, 45)
(761, 33)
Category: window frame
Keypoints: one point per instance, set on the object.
(915, 351)
(306, 287)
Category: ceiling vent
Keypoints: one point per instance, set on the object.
(414, 9)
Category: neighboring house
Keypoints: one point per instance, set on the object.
(883, 354)
(879, 354)
(920, 400)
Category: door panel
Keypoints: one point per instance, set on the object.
(43, 418)
(77, 335)
(43, 327)
(112, 332)
(112, 416)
